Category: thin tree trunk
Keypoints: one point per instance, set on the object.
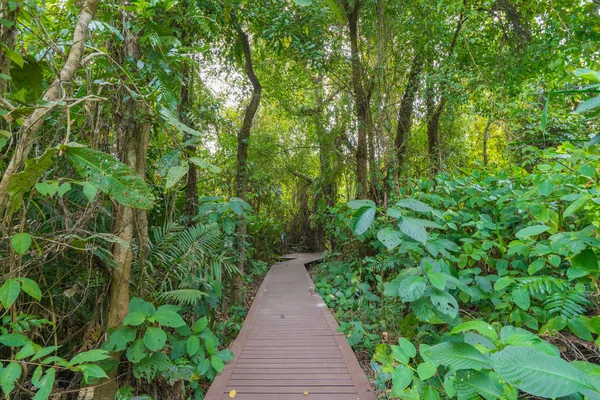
(34, 122)
(406, 112)
(241, 183)
(486, 133)
(8, 36)
(133, 137)
(361, 102)
(191, 180)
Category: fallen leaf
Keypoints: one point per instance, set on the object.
(282, 302)
(232, 394)
(305, 393)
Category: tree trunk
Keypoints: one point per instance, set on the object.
(133, 137)
(486, 133)
(191, 180)
(34, 122)
(405, 113)
(241, 181)
(361, 102)
(8, 36)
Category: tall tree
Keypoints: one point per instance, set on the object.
(241, 180)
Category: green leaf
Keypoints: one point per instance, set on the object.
(119, 339)
(589, 105)
(303, 3)
(458, 355)
(579, 329)
(545, 188)
(521, 298)
(503, 282)
(200, 325)
(64, 188)
(468, 384)
(239, 206)
(390, 238)
(13, 56)
(200, 163)
(539, 212)
(414, 205)
(169, 318)
(211, 342)
(217, 363)
(21, 242)
(429, 393)
(138, 305)
(404, 351)
(362, 219)
(437, 280)
(10, 374)
(89, 356)
(413, 229)
(31, 288)
(155, 338)
(45, 385)
(412, 288)
(531, 231)
(585, 263)
(426, 370)
(575, 206)
(172, 120)
(137, 351)
(444, 302)
(401, 378)
(9, 291)
(479, 326)
(111, 176)
(90, 191)
(225, 355)
(192, 345)
(92, 371)
(538, 374)
(134, 319)
(588, 74)
(357, 204)
(176, 173)
(14, 339)
(44, 352)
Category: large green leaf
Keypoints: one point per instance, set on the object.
(89, 356)
(469, 383)
(155, 338)
(413, 228)
(412, 288)
(588, 74)
(521, 298)
(531, 231)
(21, 243)
(476, 325)
(537, 373)
(9, 291)
(45, 385)
(31, 288)
(169, 318)
(414, 205)
(444, 302)
(362, 219)
(401, 378)
(137, 351)
(111, 176)
(175, 174)
(10, 374)
(390, 238)
(172, 120)
(217, 363)
(589, 105)
(458, 355)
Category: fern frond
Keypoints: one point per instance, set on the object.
(542, 285)
(568, 305)
(184, 296)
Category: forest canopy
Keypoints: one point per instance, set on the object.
(157, 156)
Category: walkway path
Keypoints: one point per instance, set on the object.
(288, 348)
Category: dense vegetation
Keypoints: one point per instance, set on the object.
(444, 154)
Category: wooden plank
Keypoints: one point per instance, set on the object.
(288, 345)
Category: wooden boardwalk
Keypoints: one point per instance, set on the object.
(288, 347)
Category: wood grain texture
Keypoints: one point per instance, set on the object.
(289, 345)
